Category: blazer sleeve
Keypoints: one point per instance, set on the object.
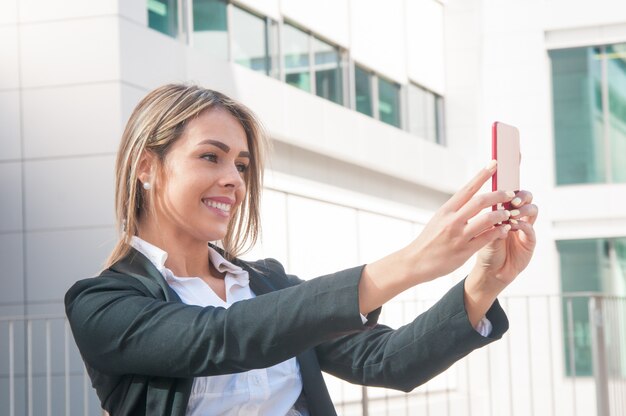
(120, 328)
(407, 357)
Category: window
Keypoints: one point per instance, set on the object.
(163, 16)
(251, 41)
(296, 55)
(363, 91)
(589, 98)
(312, 64)
(425, 114)
(328, 74)
(594, 265)
(389, 102)
(210, 28)
(615, 59)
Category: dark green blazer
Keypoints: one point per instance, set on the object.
(143, 347)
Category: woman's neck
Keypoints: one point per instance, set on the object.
(186, 257)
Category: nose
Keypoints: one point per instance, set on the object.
(232, 178)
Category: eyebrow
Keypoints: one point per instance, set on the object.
(224, 147)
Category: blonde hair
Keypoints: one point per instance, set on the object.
(156, 123)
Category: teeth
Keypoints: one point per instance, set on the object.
(219, 205)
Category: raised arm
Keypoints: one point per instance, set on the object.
(457, 231)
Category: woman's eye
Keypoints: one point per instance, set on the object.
(211, 157)
(241, 167)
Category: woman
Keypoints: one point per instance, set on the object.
(177, 326)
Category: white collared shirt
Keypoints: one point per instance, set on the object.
(267, 391)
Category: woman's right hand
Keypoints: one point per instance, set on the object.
(455, 233)
(458, 229)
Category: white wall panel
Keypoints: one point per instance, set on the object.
(9, 12)
(70, 52)
(274, 240)
(378, 37)
(425, 43)
(12, 258)
(130, 97)
(135, 10)
(564, 13)
(11, 191)
(322, 237)
(380, 235)
(149, 58)
(9, 69)
(88, 120)
(42, 10)
(328, 18)
(56, 259)
(10, 137)
(76, 192)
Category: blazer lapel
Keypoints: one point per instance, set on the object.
(140, 267)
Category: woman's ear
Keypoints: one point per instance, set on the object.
(147, 169)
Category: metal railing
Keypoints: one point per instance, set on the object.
(563, 355)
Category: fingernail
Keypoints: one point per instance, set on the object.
(510, 194)
(508, 213)
(516, 201)
(515, 213)
(507, 227)
(491, 164)
(512, 221)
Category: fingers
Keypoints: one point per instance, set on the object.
(486, 237)
(528, 230)
(480, 202)
(527, 212)
(522, 198)
(485, 222)
(461, 197)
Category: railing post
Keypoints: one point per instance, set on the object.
(598, 353)
(364, 401)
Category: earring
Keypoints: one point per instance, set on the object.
(147, 186)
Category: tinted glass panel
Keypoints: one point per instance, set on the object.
(582, 265)
(389, 102)
(363, 91)
(616, 74)
(578, 118)
(296, 52)
(163, 16)
(210, 29)
(249, 40)
(422, 113)
(327, 71)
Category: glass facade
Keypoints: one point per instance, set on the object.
(425, 115)
(296, 57)
(389, 102)
(250, 41)
(593, 265)
(163, 16)
(210, 28)
(328, 71)
(589, 101)
(225, 31)
(616, 84)
(363, 91)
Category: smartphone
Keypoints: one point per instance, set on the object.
(506, 150)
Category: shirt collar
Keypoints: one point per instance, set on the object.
(158, 258)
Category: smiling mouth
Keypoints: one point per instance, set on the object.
(221, 207)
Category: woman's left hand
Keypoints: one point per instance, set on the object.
(504, 259)
(501, 261)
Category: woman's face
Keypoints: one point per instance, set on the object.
(203, 178)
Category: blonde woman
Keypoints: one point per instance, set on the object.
(177, 326)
